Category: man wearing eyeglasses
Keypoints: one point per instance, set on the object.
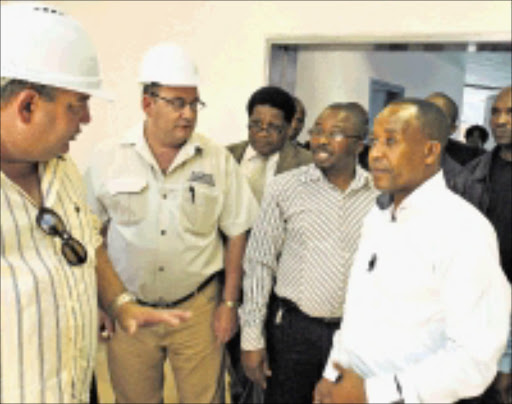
(268, 151)
(54, 269)
(304, 238)
(169, 198)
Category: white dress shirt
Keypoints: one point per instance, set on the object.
(427, 301)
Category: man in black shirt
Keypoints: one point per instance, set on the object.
(493, 171)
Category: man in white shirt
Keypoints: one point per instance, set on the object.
(167, 195)
(427, 309)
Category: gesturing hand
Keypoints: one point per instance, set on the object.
(131, 316)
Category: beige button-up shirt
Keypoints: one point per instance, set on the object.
(164, 234)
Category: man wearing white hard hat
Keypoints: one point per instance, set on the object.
(177, 209)
(54, 269)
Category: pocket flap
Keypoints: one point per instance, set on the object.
(126, 185)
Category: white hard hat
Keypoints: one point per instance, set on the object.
(168, 64)
(42, 45)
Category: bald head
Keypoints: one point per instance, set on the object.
(448, 106)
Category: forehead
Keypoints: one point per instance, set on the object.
(184, 92)
(503, 100)
(268, 112)
(69, 95)
(335, 117)
(395, 119)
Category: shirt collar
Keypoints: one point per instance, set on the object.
(251, 154)
(135, 137)
(422, 196)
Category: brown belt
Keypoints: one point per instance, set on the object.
(168, 305)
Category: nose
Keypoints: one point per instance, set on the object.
(502, 118)
(188, 112)
(375, 151)
(85, 114)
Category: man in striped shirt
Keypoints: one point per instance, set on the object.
(304, 240)
(53, 268)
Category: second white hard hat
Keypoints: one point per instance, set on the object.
(168, 64)
(42, 45)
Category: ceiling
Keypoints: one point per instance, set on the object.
(488, 69)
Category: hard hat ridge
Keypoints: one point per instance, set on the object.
(168, 64)
(41, 44)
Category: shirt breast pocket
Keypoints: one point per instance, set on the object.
(126, 200)
(199, 209)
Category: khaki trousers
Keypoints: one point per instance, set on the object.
(136, 362)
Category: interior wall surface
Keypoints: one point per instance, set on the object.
(349, 74)
(228, 41)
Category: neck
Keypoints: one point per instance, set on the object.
(342, 177)
(506, 152)
(26, 176)
(17, 171)
(164, 154)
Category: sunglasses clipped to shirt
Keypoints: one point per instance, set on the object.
(52, 224)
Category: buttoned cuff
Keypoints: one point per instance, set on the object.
(384, 389)
(251, 338)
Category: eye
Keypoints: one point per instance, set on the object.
(390, 141)
(179, 102)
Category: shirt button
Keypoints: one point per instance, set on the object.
(161, 269)
(163, 232)
(164, 196)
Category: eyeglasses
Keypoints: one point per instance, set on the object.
(179, 103)
(51, 223)
(271, 128)
(335, 135)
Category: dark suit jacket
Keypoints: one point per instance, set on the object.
(291, 156)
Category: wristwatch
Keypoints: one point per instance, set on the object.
(125, 297)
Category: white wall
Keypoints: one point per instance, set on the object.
(349, 73)
(227, 39)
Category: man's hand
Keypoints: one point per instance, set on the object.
(131, 316)
(225, 323)
(106, 326)
(350, 388)
(255, 365)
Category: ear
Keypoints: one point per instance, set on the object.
(433, 151)
(147, 104)
(27, 102)
(359, 146)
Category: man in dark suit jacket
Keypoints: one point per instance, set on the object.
(271, 111)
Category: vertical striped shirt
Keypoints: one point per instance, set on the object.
(305, 238)
(48, 308)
